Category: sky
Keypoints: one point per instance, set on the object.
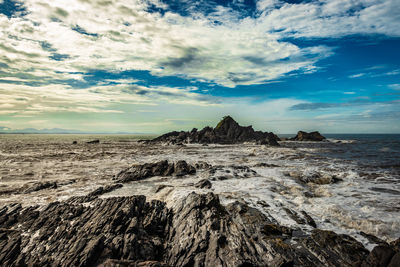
(151, 66)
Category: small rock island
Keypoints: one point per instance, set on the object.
(227, 131)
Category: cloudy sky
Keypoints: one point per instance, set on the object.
(150, 66)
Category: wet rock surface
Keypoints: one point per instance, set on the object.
(314, 178)
(204, 183)
(228, 131)
(161, 168)
(40, 186)
(198, 231)
(304, 136)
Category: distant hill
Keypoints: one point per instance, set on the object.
(38, 131)
(6, 130)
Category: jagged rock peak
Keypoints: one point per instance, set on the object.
(227, 121)
(227, 131)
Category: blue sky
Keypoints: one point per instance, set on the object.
(152, 66)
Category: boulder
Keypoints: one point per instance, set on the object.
(181, 168)
(304, 136)
(204, 183)
(160, 168)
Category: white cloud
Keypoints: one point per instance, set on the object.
(395, 86)
(121, 35)
(358, 75)
(335, 18)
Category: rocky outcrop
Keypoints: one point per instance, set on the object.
(161, 168)
(198, 231)
(64, 234)
(384, 255)
(304, 136)
(227, 131)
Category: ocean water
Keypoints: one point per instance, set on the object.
(362, 194)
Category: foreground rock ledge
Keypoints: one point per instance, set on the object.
(128, 231)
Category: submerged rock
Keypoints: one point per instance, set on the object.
(198, 231)
(304, 136)
(97, 141)
(227, 131)
(314, 178)
(161, 168)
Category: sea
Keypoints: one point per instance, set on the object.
(361, 197)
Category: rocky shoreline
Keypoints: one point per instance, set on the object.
(128, 231)
(206, 210)
(197, 231)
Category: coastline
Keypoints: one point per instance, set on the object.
(276, 184)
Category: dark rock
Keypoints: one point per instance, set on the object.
(264, 164)
(204, 183)
(128, 231)
(327, 243)
(102, 190)
(295, 216)
(161, 168)
(396, 244)
(228, 131)
(202, 165)
(380, 256)
(310, 221)
(97, 141)
(205, 233)
(161, 187)
(74, 142)
(181, 168)
(271, 140)
(315, 178)
(128, 263)
(40, 186)
(395, 261)
(304, 136)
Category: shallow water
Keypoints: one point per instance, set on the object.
(364, 198)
